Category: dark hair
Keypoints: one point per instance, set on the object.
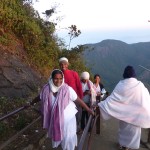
(129, 72)
(96, 75)
(56, 71)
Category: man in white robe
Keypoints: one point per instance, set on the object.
(130, 104)
(89, 97)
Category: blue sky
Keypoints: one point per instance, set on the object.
(125, 20)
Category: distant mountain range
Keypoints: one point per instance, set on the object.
(109, 58)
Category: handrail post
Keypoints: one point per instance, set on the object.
(148, 139)
(98, 120)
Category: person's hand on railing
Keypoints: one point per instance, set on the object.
(98, 93)
(34, 101)
(93, 107)
(91, 112)
(87, 92)
(27, 105)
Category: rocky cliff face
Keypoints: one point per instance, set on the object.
(17, 79)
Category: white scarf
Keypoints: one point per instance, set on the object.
(54, 88)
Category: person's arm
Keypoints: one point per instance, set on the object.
(82, 104)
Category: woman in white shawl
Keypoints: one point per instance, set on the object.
(58, 110)
(130, 104)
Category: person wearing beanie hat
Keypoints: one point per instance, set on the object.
(72, 78)
(89, 95)
(130, 104)
(63, 59)
(129, 72)
(85, 75)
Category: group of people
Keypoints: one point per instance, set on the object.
(66, 102)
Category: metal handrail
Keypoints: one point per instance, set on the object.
(83, 137)
(19, 133)
(92, 130)
(90, 125)
(13, 112)
(85, 132)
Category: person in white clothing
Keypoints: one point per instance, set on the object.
(58, 111)
(100, 90)
(89, 96)
(130, 104)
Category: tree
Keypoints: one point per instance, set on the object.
(49, 13)
(73, 33)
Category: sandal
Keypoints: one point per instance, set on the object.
(80, 132)
(123, 148)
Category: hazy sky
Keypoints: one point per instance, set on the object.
(125, 20)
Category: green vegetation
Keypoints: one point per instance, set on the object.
(21, 26)
(20, 22)
(7, 105)
(10, 126)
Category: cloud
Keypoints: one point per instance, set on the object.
(125, 20)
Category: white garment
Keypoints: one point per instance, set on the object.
(86, 98)
(129, 102)
(89, 99)
(70, 138)
(98, 90)
(129, 135)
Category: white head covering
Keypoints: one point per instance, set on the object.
(63, 59)
(85, 75)
(52, 86)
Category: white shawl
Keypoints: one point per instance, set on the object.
(129, 102)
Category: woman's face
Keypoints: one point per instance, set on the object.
(97, 79)
(57, 80)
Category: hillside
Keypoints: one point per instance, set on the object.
(30, 49)
(110, 57)
(18, 79)
(29, 41)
